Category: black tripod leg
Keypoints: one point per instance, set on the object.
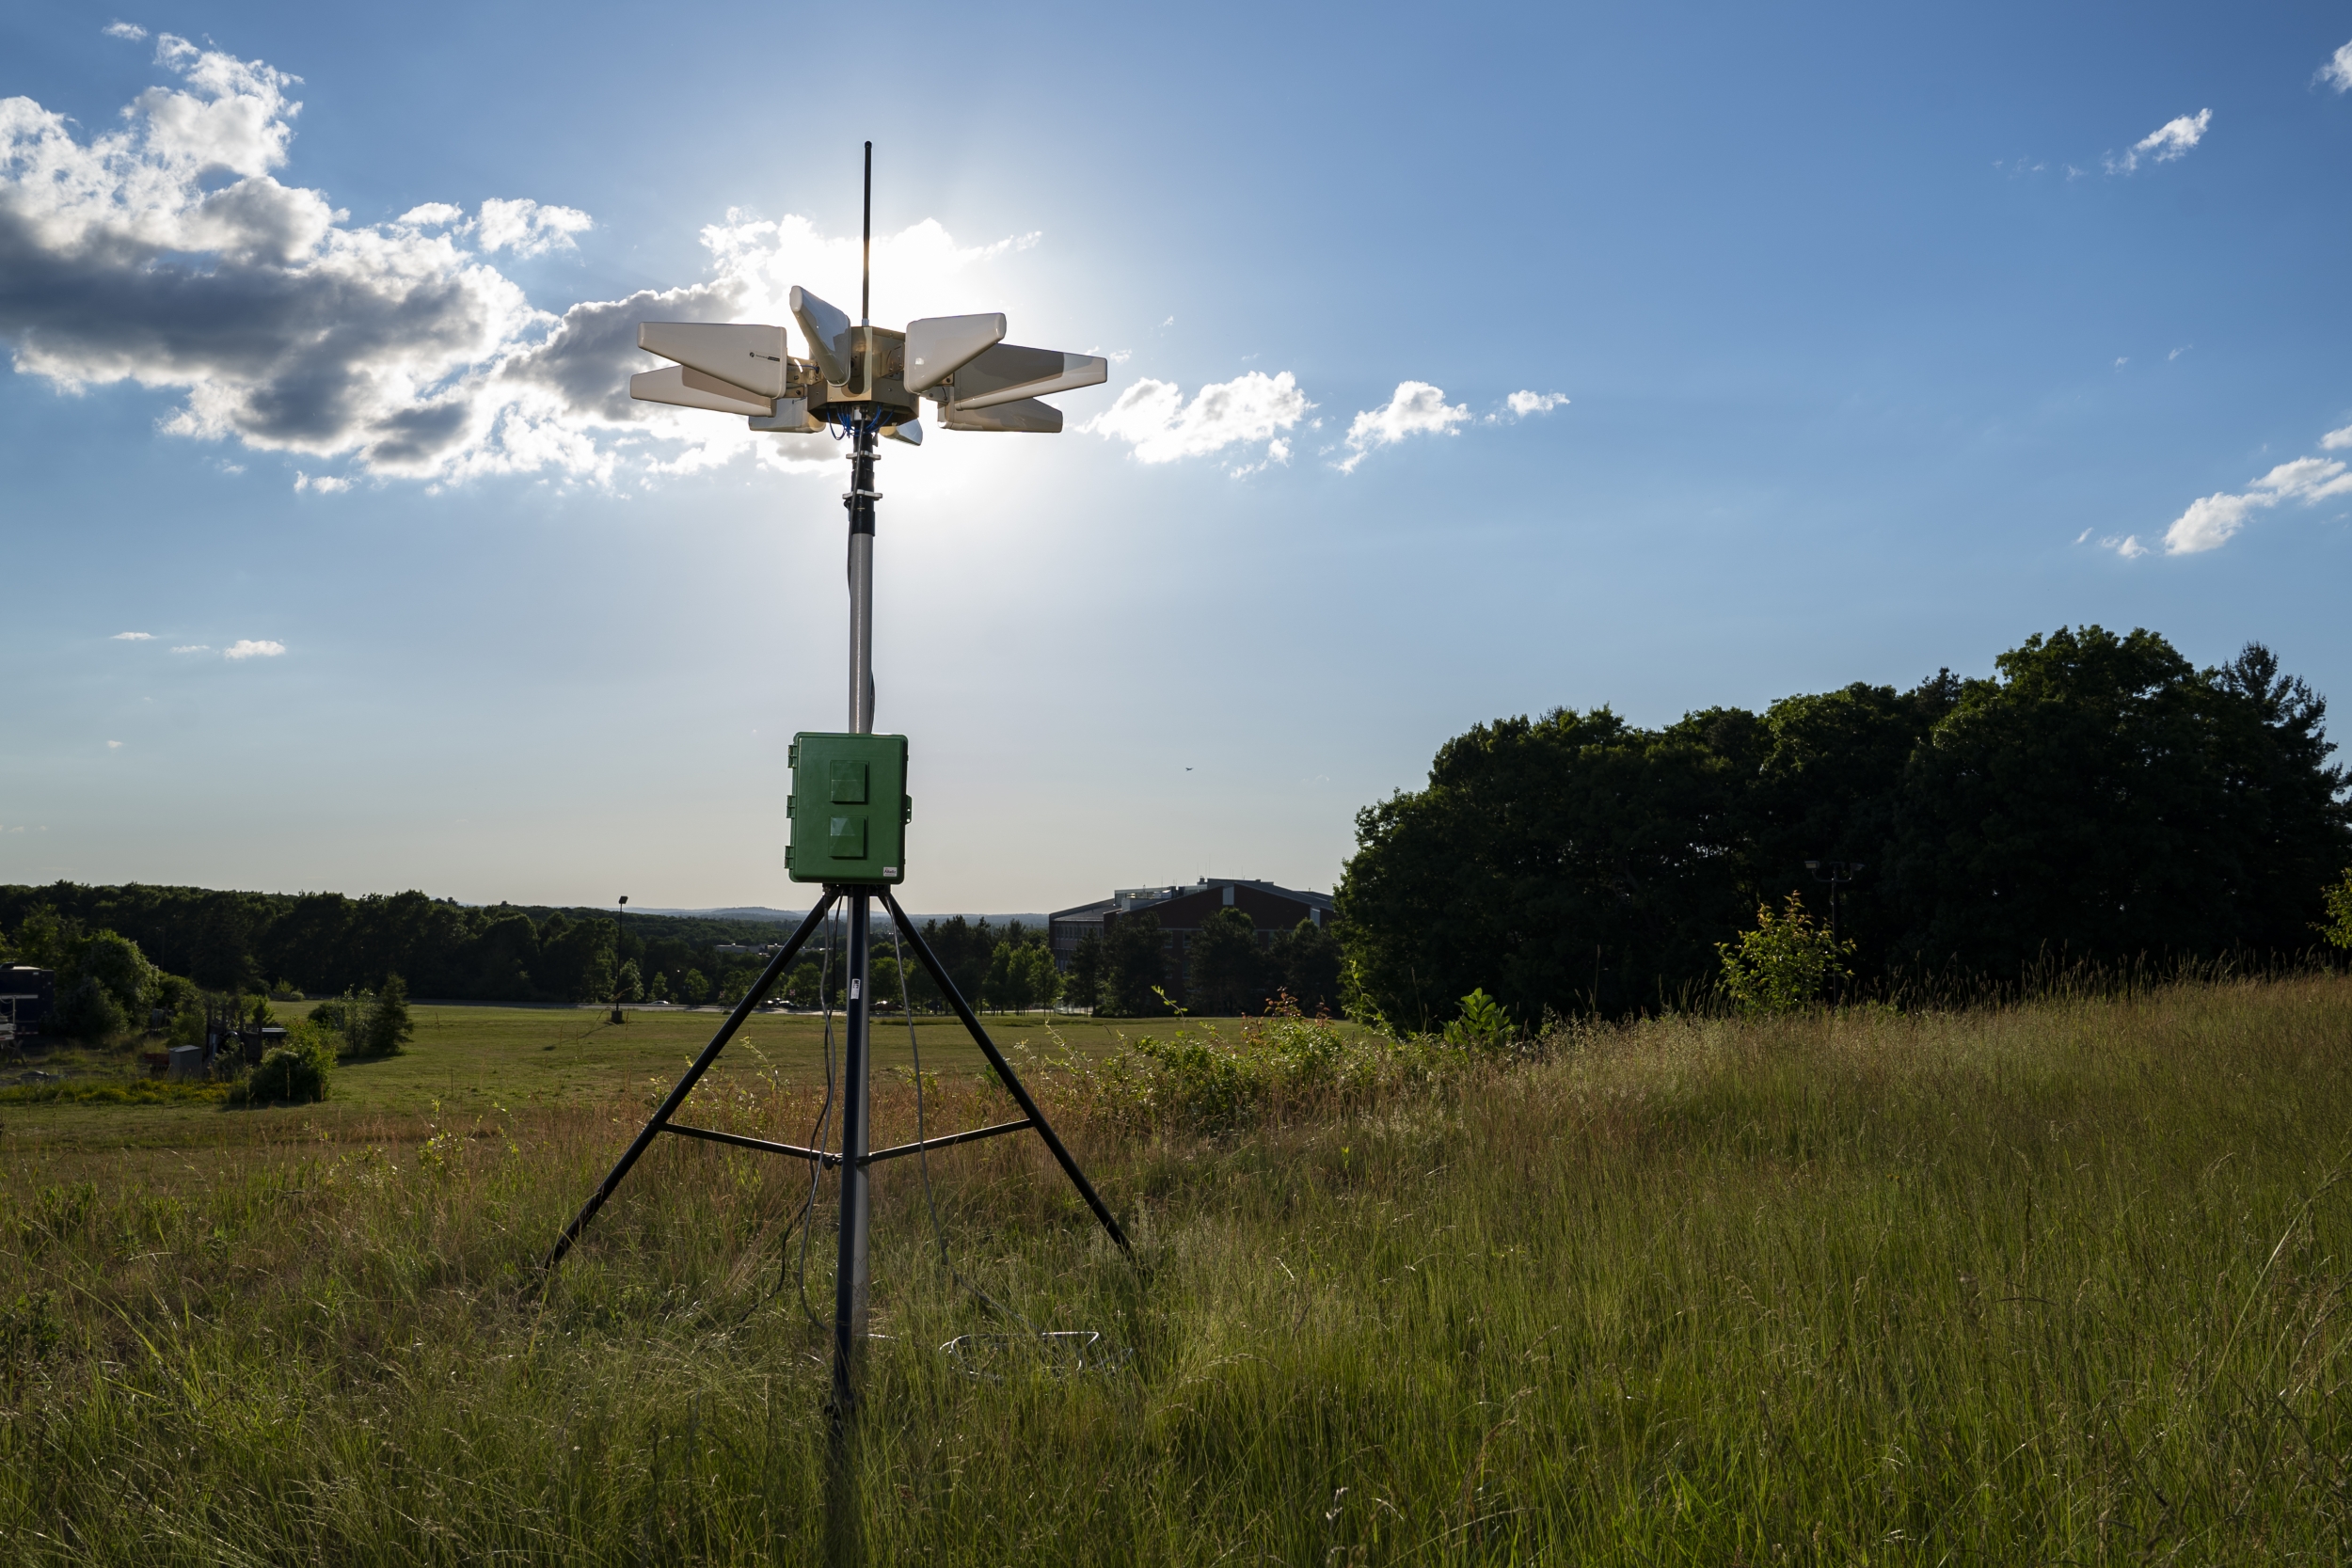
(752, 998)
(1004, 1071)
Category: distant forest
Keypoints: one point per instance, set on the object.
(325, 943)
(2099, 801)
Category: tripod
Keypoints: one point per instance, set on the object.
(855, 1158)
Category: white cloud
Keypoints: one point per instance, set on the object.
(247, 648)
(1521, 405)
(2211, 520)
(194, 648)
(129, 31)
(1154, 417)
(163, 250)
(2166, 142)
(2129, 547)
(2336, 441)
(2083, 535)
(2337, 73)
(434, 215)
(133, 637)
(326, 484)
(1277, 452)
(114, 745)
(526, 228)
(1416, 409)
(2306, 479)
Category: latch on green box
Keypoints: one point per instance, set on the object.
(849, 808)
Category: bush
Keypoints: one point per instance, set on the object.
(297, 1072)
(115, 961)
(1483, 1026)
(387, 1027)
(2339, 928)
(1784, 964)
(1208, 1082)
(88, 1011)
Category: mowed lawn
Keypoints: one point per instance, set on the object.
(467, 1060)
(2068, 1282)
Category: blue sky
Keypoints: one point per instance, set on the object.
(1888, 337)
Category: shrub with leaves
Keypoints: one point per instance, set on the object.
(297, 1072)
(87, 1011)
(1785, 964)
(1202, 1079)
(2338, 929)
(1483, 1024)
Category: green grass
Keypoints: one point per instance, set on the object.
(2059, 1283)
(475, 1059)
(140, 1091)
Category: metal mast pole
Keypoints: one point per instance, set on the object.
(849, 1297)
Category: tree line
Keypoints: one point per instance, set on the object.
(120, 952)
(2098, 800)
(1124, 970)
(326, 942)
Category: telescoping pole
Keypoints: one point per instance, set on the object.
(845, 1542)
(849, 1295)
(849, 1291)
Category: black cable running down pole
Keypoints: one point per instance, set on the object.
(752, 998)
(1004, 1069)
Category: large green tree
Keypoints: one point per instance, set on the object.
(1084, 984)
(1133, 967)
(2103, 799)
(2098, 798)
(1306, 963)
(1567, 863)
(1227, 969)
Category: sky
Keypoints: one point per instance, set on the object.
(1466, 362)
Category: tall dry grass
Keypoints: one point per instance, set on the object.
(2054, 1282)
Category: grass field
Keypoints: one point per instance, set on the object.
(2059, 1283)
(474, 1059)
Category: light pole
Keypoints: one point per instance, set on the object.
(620, 929)
(1837, 874)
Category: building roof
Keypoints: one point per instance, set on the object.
(1127, 900)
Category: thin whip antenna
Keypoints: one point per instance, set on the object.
(866, 276)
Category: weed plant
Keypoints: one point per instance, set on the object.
(2054, 1282)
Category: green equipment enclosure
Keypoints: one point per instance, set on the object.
(849, 808)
